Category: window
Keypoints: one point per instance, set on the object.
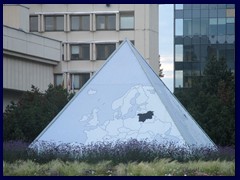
(204, 6)
(80, 52)
(179, 6)
(178, 53)
(230, 6)
(33, 23)
(230, 13)
(187, 82)
(213, 26)
(178, 40)
(196, 6)
(204, 13)
(221, 26)
(204, 26)
(54, 23)
(80, 23)
(203, 51)
(221, 6)
(213, 13)
(104, 50)
(78, 80)
(196, 27)
(221, 12)
(212, 6)
(178, 14)
(187, 27)
(230, 29)
(179, 27)
(126, 20)
(187, 13)
(179, 79)
(187, 6)
(196, 13)
(106, 22)
(187, 53)
(196, 52)
(58, 79)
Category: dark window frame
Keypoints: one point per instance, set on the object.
(81, 54)
(55, 79)
(126, 14)
(81, 25)
(83, 78)
(107, 26)
(31, 29)
(108, 52)
(54, 23)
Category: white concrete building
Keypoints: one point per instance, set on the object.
(28, 59)
(89, 33)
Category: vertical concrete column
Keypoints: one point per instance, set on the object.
(68, 52)
(91, 51)
(117, 22)
(39, 23)
(94, 51)
(42, 23)
(65, 51)
(67, 22)
(93, 22)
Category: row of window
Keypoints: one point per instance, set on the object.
(205, 26)
(183, 78)
(204, 13)
(83, 51)
(74, 81)
(203, 52)
(223, 39)
(204, 6)
(83, 22)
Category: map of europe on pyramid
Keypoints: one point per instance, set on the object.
(124, 100)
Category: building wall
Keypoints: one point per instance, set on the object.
(28, 59)
(15, 16)
(202, 32)
(37, 57)
(29, 44)
(144, 34)
(20, 74)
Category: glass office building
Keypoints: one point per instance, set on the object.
(201, 32)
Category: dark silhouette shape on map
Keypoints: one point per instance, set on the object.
(144, 116)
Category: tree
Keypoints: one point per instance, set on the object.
(25, 119)
(160, 73)
(211, 101)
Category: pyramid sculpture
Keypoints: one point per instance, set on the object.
(124, 100)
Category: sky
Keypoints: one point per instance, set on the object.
(166, 43)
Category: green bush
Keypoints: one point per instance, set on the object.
(25, 119)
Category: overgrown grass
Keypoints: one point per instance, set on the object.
(163, 167)
(132, 158)
(121, 152)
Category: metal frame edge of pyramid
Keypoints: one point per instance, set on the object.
(125, 100)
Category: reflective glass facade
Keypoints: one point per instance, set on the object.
(201, 32)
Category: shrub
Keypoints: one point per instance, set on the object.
(25, 119)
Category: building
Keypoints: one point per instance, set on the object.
(28, 59)
(73, 40)
(201, 32)
(91, 32)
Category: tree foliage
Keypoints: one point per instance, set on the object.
(25, 119)
(211, 101)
